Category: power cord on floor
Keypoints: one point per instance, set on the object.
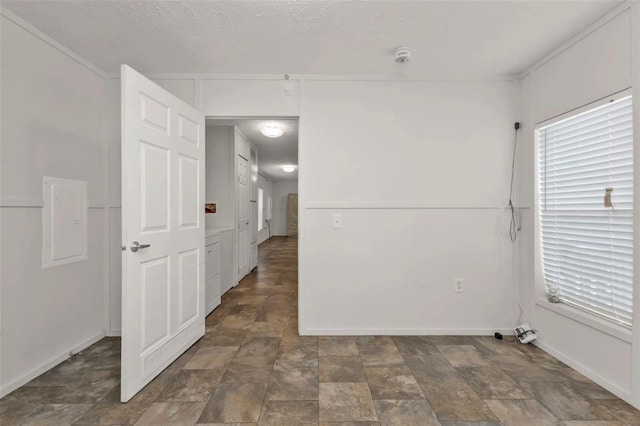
(514, 226)
(499, 336)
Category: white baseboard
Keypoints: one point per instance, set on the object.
(113, 333)
(605, 383)
(404, 331)
(7, 388)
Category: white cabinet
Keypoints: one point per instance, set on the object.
(227, 258)
(243, 147)
(213, 277)
(213, 261)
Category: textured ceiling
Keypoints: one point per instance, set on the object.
(449, 39)
(273, 153)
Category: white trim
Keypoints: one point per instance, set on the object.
(527, 139)
(197, 96)
(49, 184)
(25, 202)
(605, 383)
(635, 69)
(28, 203)
(96, 204)
(302, 209)
(398, 205)
(405, 331)
(106, 224)
(383, 77)
(42, 368)
(324, 77)
(51, 42)
(589, 319)
(211, 118)
(621, 8)
(624, 93)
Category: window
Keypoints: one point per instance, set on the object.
(587, 242)
(260, 209)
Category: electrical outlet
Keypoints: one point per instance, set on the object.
(458, 285)
(337, 221)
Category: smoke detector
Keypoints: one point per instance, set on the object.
(403, 54)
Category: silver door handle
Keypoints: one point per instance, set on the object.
(135, 246)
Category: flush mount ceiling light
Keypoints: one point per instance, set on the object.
(288, 169)
(272, 131)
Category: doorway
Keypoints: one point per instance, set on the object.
(252, 186)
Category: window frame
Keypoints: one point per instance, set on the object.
(583, 315)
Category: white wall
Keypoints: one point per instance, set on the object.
(219, 175)
(596, 64)
(267, 186)
(281, 190)
(249, 98)
(420, 172)
(52, 125)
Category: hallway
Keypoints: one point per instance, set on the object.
(252, 367)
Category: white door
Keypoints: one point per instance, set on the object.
(163, 213)
(253, 235)
(242, 195)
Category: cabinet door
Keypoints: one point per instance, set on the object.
(212, 268)
(242, 146)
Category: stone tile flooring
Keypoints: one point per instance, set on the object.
(251, 368)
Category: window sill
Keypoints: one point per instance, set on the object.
(590, 320)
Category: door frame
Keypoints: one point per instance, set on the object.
(233, 160)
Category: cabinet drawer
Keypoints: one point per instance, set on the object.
(212, 263)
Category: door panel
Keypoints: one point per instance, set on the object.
(213, 261)
(154, 168)
(188, 286)
(154, 113)
(155, 292)
(162, 210)
(188, 191)
(188, 130)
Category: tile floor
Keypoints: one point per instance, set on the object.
(251, 368)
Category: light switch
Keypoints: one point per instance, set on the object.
(337, 221)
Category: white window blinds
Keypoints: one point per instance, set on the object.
(587, 248)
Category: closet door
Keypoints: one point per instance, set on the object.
(242, 199)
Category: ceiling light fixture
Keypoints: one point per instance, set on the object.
(272, 131)
(288, 169)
